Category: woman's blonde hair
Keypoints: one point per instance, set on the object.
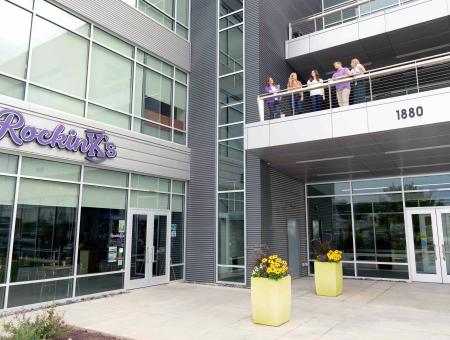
(291, 80)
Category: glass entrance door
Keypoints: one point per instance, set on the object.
(147, 248)
(428, 244)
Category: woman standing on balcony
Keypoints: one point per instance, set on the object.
(359, 87)
(295, 99)
(342, 89)
(272, 103)
(317, 95)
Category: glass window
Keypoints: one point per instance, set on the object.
(60, 58)
(24, 3)
(231, 131)
(231, 20)
(153, 98)
(231, 274)
(48, 169)
(150, 183)
(177, 187)
(181, 76)
(107, 116)
(180, 99)
(8, 163)
(231, 50)
(20, 295)
(231, 229)
(14, 45)
(149, 200)
(182, 31)
(330, 220)
(45, 229)
(177, 230)
(112, 42)
(55, 100)
(7, 185)
(98, 284)
(230, 6)
(176, 272)
(155, 63)
(183, 11)
(62, 18)
(231, 165)
(329, 189)
(105, 177)
(231, 89)
(348, 269)
(427, 198)
(231, 114)
(427, 182)
(11, 87)
(155, 14)
(110, 80)
(152, 129)
(384, 271)
(380, 228)
(164, 5)
(102, 230)
(179, 137)
(378, 185)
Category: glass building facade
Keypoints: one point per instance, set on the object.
(54, 59)
(366, 219)
(63, 227)
(231, 260)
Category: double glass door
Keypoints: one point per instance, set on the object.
(429, 244)
(148, 245)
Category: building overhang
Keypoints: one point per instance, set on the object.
(360, 141)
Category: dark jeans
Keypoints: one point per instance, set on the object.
(317, 102)
(359, 92)
(274, 109)
(295, 105)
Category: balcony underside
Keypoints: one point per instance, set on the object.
(378, 40)
(361, 141)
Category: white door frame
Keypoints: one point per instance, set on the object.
(437, 241)
(149, 280)
(442, 248)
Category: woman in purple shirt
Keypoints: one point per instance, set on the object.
(342, 89)
(272, 103)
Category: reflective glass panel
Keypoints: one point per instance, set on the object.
(159, 245)
(41, 96)
(330, 220)
(383, 271)
(11, 87)
(107, 116)
(26, 294)
(177, 230)
(180, 104)
(48, 169)
(14, 45)
(183, 11)
(105, 177)
(110, 79)
(231, 114)
(152, 129)
(112, 42)
(98, 284)
(7, 185)
(329, 189)
(8, 163)
(231, 274)
(229, 6)
(138, 247)
(60, 58)
(102, 230)
(446, 233)
(153, 98)
(427, 198)
(231, 89)
(380, 228)
(231, 229)
(155, 14)
(379, 185)
(231, 165)
(231, 50)
(424, 250)
(45, 230)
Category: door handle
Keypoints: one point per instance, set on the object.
(435, 250)
(443, 252)
(147, 254)
(153, 254)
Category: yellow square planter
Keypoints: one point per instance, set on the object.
(271, 300)
(328, 278)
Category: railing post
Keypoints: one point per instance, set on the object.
(417, 76)
(330, 98)
(315, 25)
(290, 31)
(261, 109)
(370, 86)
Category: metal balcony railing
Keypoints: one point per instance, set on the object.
(421, 75)
(340, 14)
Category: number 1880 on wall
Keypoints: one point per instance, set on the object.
(410, 113)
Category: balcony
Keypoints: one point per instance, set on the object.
(400, 125)
(378, 32)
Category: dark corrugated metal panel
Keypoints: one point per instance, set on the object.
(134, 26)
(201, 204)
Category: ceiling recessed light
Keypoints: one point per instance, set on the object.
(344, 173)
(324, 159)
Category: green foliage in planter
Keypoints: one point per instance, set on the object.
(47, 325)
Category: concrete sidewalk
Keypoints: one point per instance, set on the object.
(366, 310)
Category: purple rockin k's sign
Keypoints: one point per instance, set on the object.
(95, 145)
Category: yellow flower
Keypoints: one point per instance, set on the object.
(264, 260)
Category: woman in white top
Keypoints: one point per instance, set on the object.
(359, 86)
(317, 95)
